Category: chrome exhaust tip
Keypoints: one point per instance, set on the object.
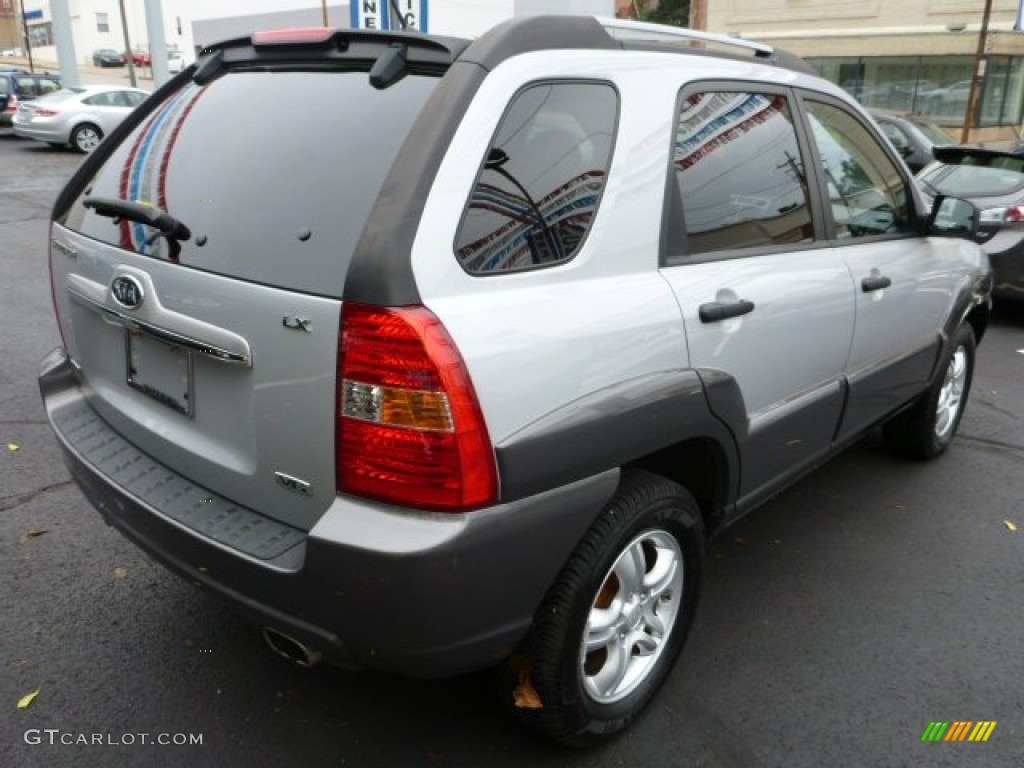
(289, 648)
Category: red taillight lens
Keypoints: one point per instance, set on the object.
(410, 429)
(45, 112)
(12, 104)
(1015, 213)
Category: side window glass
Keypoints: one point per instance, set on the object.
(538, 191)
(867, 194)
(26, 87)
(48, 86)
(740, 174)
(895, 135)
(98, 100)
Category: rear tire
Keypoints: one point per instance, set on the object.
(926, 430)
(86, 137)
(611, 627)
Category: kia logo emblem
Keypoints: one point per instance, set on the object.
(127, 291)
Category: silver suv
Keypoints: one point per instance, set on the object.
(457, 355)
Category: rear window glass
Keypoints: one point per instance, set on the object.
(542, 178)
(274, 173)
(1004, 176)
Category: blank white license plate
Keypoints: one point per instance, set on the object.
(161, 371)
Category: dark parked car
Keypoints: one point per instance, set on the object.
(914, 136)
(17, 85)
(994, 182)
(105, 57)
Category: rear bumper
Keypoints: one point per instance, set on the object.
(425, 595)
(41, 132)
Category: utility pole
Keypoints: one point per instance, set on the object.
(980, 66)
(323, 4)
(28, 41)
(128, 47)
(699, 15)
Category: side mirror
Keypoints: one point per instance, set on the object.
(953, 217)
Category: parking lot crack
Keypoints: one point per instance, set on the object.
(10, 502)
(984, 442)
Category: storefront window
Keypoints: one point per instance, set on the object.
(938, 86)
(40, 35)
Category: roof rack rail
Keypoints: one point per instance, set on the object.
(644, 31)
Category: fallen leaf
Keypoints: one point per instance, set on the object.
(741, 541)
(1011, 526)
(31, 535)
(13, 447)
(525, 695)
(121, 573)
(27, 699)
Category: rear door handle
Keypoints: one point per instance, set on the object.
(875, 283)
(714, 311)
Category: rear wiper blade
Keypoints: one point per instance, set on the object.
(165, 225)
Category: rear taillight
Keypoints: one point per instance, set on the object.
(44, 112)
(409, 427)
(12, 104)
(1015, 213)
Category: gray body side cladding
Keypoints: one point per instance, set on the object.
(611, 428)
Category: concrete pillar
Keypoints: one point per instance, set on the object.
(157, 41)
(60, 15)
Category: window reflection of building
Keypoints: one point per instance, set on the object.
(541, 183)
(739, 171)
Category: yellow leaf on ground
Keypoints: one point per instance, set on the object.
(27, 699)
(13, 447)
(1011, 526)
(121, 573)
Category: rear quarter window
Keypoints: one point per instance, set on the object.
(541, 180)
(274, 172)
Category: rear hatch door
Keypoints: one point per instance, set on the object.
(216, 354)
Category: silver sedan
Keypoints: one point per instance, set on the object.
(80, 117)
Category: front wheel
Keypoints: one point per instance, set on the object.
(927, 429)
(86, 137)
(610, 628)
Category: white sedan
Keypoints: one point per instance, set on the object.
(80, 117)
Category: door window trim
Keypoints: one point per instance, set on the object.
(673, 243)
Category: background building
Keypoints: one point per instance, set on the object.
(914, 55)
(191, 24)
(96, 24)
(463, 18)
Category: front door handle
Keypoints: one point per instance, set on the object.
(875, 283)
(714, 311)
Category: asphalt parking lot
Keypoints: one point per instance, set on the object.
(837, 621)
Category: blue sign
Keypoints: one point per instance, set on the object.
(391, 14)
(33, 15)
